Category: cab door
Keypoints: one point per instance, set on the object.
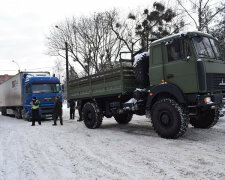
(27, 94)
(180, 65)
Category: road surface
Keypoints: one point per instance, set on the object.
(113, 151)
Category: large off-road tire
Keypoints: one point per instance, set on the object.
(141, 70)
(91, 115)
(169, 119)
(206, 119)
(123, 118)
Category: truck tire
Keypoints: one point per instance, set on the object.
(141, 71)
(25, 115)
(17, 113)
(123, 118)
(206, 119)
(169, 118)
(91, 115)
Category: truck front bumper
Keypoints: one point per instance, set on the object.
(46, 111)
(211, 100)
(206, 101)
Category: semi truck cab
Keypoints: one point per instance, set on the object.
(45, 89)
(17, 93)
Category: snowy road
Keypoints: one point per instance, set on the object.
(113, 151)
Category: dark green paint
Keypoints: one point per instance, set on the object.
(182, 72)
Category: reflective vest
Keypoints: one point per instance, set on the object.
(35, 105)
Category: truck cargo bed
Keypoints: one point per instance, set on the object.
(116, 81)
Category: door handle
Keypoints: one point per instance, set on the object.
(170, 76)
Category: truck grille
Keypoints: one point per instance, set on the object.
(46, 110)
(46, 99)
(215, 81)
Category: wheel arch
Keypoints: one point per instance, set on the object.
(165, 91)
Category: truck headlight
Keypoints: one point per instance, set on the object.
(207, 100)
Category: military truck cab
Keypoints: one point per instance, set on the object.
(187, 68)
(188, 60)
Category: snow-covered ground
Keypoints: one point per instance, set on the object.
(113, 151)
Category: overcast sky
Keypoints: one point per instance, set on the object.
(24, 25)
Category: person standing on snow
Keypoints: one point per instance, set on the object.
(72, 109)
(57, 111)
(35, 111)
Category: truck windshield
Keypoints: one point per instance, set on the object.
(207, 47)
(46, 88)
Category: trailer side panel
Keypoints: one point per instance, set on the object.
(11, 92)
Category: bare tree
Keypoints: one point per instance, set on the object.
(203, 12)
(91, 43)
(124, 29)
(58, 69)
(218, 30)
(158, 22)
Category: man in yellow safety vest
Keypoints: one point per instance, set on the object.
(35, 111)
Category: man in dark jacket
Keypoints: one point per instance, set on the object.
(35, 111)
(72, 109)
(57, 111)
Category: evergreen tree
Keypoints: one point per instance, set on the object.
(157, 23)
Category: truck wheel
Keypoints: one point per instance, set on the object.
(123, 118)
(25, 115)
(169, 118)
(206, 119)
(17, 113)
(141, 70)
(91, 115)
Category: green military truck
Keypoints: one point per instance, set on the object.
(181, 81)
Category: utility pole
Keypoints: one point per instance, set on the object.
(67, 63)
(67, 68)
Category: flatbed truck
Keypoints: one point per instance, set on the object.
(184, 83)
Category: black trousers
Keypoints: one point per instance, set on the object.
(72, 111)
(35, 116)
(56, 117)
(80, 114)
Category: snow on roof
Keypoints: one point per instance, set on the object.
(179, 34)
